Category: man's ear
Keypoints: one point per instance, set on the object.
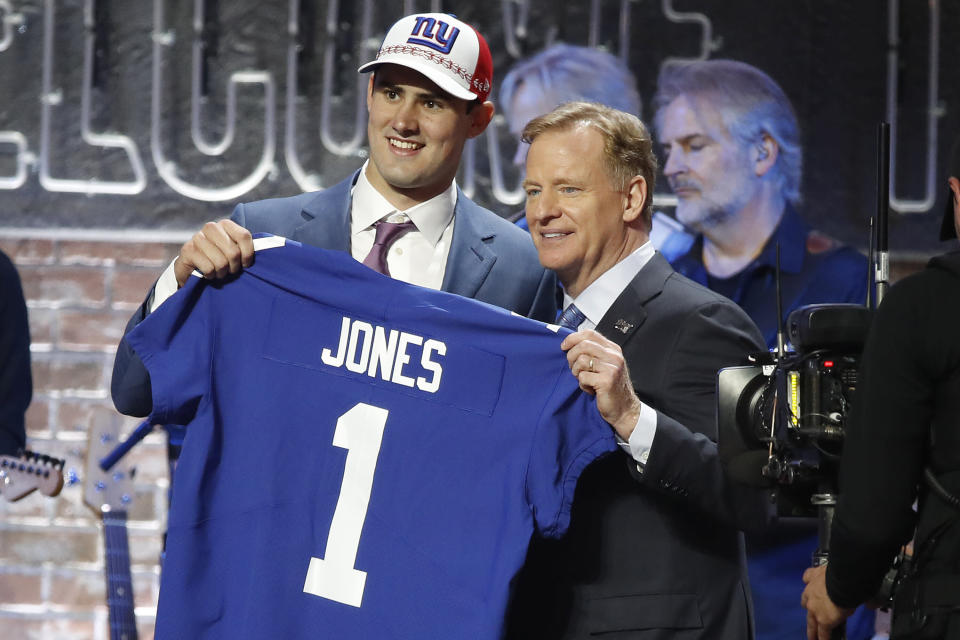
(635, 197)
(370, 91)
(765, 155)
(480, 116)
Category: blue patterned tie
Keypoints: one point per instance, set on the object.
(571, 318)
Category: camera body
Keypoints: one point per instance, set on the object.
(781, 419)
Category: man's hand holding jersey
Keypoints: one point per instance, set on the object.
(217, 250)
(600, 368)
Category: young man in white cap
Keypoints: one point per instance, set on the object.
(426, 97)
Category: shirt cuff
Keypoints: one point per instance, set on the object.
(166, 286)
(641, 440)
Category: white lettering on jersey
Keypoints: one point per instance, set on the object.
(429, 347)
(379, 352)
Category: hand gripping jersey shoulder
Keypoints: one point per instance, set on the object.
(364, 458)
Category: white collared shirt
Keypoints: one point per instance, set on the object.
(418, 256)
(594, 302)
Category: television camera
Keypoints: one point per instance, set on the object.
(781, 418)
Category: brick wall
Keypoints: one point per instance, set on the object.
(80, 292)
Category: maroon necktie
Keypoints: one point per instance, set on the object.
(387, 234)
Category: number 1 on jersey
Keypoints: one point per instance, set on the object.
(360, 432)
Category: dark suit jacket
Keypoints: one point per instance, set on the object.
(490, 260)
(655, 553)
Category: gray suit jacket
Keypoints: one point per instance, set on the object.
(490, 260)
(655, 553)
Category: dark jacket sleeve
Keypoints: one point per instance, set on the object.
(684, 457)
(130, 383)
(16, 386)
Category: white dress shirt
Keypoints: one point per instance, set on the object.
(594, 302)
(418, 257)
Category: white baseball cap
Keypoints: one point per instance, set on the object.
(448, 51)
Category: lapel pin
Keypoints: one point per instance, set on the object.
(622, 326)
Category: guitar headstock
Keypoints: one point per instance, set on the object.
(19, 475)
(106, 490)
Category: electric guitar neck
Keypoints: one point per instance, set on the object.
(110, 495)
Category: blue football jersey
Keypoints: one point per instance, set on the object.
(363, 458)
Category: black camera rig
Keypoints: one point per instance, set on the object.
(781, 418)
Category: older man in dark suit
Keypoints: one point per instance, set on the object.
(402, 212)
(654, 549)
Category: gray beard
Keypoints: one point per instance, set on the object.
(713, 218)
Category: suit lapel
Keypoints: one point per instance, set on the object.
(471, 256)
(627, 313)
(327, 218)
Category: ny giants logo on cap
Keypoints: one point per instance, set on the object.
(440, 40)
(450, 53)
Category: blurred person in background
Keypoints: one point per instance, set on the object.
(564, 73)
(733, 157)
